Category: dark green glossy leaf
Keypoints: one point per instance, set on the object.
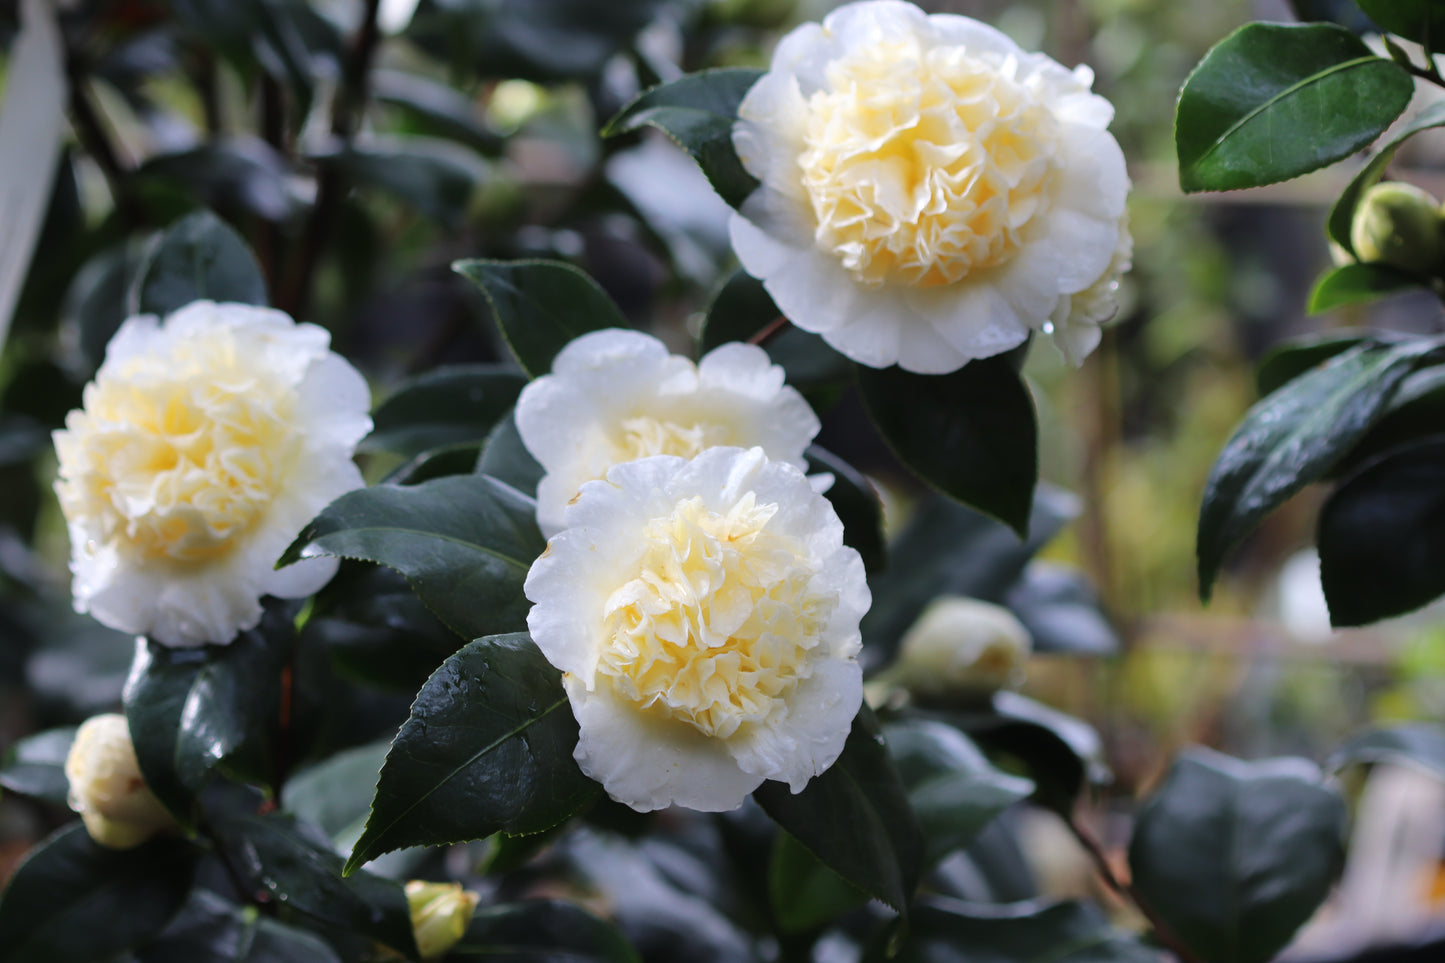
(506, 458)
(35, 766)
(244, 175)
(855, 817)
(441, 109)
(1416, 412)
(1419, 744)
(464, 543)
(74, 900)
(435, 177)
(198, 258)
(804, 893)
(857, 505)
(1422, 21)
(955, 791)
(273, 857)
(1288, 360)
(1342, 215)
(539, 306)
(1357, 284)
(1059, 608)
(1382, 536)
(488, 748)
(335, 795)
(1060, 753)
(949, 931)
(971, 434)
(96, 302)
(947, 549)
(1234, 857)
(453, 405)
(1295, 436)
(698, 112)
(542, 931)
(208, 929)
(1273, 101)
(435, 463)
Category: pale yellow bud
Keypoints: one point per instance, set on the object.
(961, 646)
(440, 913)
(1399, 225)
(106, 786)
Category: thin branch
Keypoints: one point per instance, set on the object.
(770, 330)
(1128, 893)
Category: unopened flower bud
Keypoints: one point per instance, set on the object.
(440, 913)
(1399, 225)
(106, 786)
(961, 646)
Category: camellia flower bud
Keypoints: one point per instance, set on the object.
(1399, 225)
(961, 646)
(440, 913)
(106, 786)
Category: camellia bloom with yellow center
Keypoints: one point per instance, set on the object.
(206, 442)
(106, 786)
(929, 190)
(616, 395)
(705, 616)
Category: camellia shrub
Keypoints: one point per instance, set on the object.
(577, 645)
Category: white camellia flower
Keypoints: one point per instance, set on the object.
(929, 190)
(705, 615)
(106, 787)
(1077, 319)
(961, 646)
(616, 395)
(206, 442)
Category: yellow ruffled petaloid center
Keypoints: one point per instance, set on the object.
(925, 165)
(717, 625)
(642, 436)
(175, 457)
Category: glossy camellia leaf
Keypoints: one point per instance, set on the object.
(437, 107)
(955, 791)
(1415, 414)
(1273, 101)
(857, 505)
(488, 749)
(855, 817)
(1342, 215)
(75, 900)
(1062, 754)
(698, 112)
(1061, 612)
(464, 543)
(1294, 437)
(35, 766)
(241, 173)
(971, 434)
(804, 893)
(208, 928)
(1234, 857)
(1288, 360)
(1419, 744)
(951, 931)
(1422, 21)
(335, 794)
(454, 405)
(1359, 283)
(434, 177)
(543, 930)
(198, 258)
(273, 856)
(539, 306)
(1382, 536)
(506, 458)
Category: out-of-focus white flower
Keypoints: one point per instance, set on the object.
(705, 616)
(929, 190)
(961, 646)
(1076, 321)
(206, 442)
(440, 914)
(617, 395)
(106, 787)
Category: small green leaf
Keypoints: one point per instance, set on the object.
(1342, 215)
(542, 930)
(488, 748)
(75, 900)
(198, 258)
(804, 893)
(1287, 360)
(698, 112)
(1295, 436)
(1382, 536)
(464, 543)
(1419, 744)
(539, 306)
(1359, 283)
(1422, 21)
(1234, 857)
(855, 817)
(35, 766)
(971, 434)
(857, 505)
(950, 931)
(1273, 101)
(453, 405)
(274, 857)
(955, 791)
